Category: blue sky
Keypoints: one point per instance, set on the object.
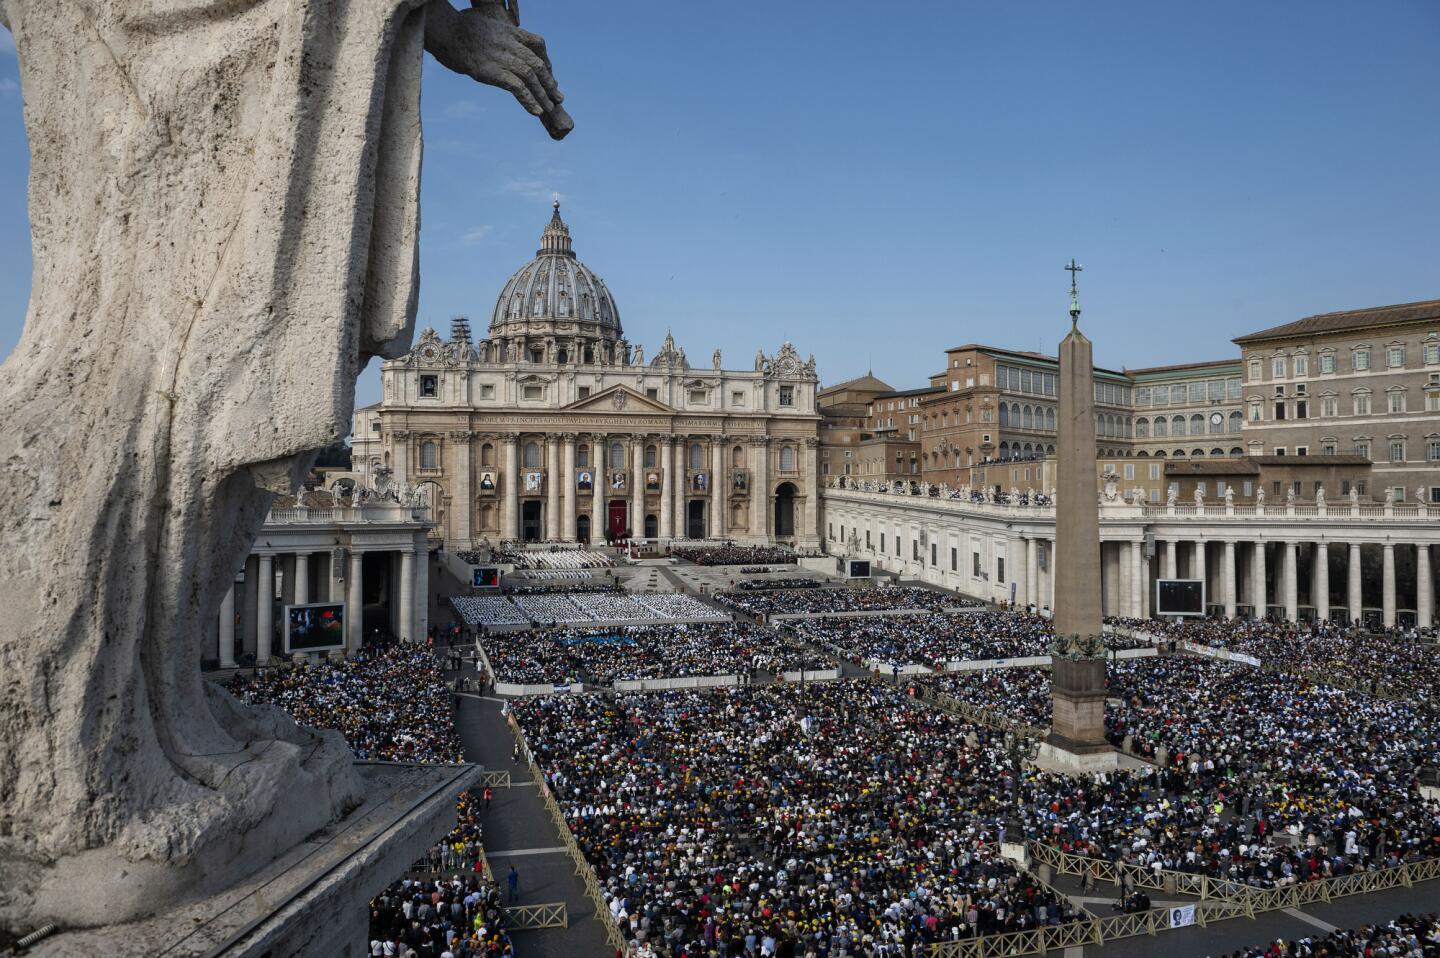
(877, 182)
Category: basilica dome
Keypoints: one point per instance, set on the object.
(555, 288)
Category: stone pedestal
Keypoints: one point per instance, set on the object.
(313, 900)
(1077, 730)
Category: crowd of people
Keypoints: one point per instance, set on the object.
(1409, 936)
(598, 602)
(932, 639)
(786, 582)
(734, 555)
(390, 702)
(811, 599)
(1377, 662)
(840, 818)
(675, 650)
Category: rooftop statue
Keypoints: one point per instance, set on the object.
(224, 208)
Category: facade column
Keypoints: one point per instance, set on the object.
(422, 588)
(812, 492)
(1050, 574)
(599, 466)
(1354, 594)
(1257, 581)
(1292, 582)
(1320, 581)
(1171, 549)
(1387, 608)
(667, 488)
(1109, 579)
(264, 609)
(717, 488)
(227, 629)
(510, 526)
(1228, 584)
(460, 456)
(637, 487)
(1142, 579)
(302, 578)
(1032, 572)
(354, 604)
(760, 489)
(1018, 564)
(682, 521)
(567, 482)
(407, 595)
(1424, 588)
(552, 487)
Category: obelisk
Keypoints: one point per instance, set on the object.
(1077, 678)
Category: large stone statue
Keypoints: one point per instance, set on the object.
(224, 214)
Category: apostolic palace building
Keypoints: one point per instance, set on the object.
(555, 428)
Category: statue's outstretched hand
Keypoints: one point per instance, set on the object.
(486, 42)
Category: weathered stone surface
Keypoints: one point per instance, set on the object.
(224, 213)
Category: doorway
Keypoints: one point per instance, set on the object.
(582, 529)
(785, 510)
(615, 519)
(652, 527)
(695, 519)
(530, 525)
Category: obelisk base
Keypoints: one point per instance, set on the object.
(1058, 754)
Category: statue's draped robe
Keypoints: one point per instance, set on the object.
(224, 209)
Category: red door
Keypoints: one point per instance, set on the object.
(616, 519)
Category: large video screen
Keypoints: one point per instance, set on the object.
(859, 569)
(485, 577)
(1179, 597)
(315, 627)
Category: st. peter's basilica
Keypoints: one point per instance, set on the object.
(556, 428)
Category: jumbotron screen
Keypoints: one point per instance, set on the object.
(486, 577)
(317, 627)
(1179, 597)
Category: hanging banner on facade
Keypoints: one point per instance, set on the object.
(585, 480)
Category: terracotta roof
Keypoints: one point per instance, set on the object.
(910, 392)
(1251, 465)
(1352, 319)
(867, 381)
(1180, 367)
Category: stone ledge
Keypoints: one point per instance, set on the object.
(313, 900)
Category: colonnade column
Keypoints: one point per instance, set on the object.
(407, 595)
(264, 609)
(567, 482)
(637, 486)
(1354, 596)
(1171, 548)
(1135, 555)
(1387, 582)
(422, 588)
(552, 487)
(1123, 583)
(599, 463)
(717, 488)
(510, 526)
(811, 486)
(1198, 569)
(1292, 582)
(680, 526)
(1019, 566)
(1228, 584)
(1142, 580)
(1032, 572)
(1320, 581)
(760, 488)
(1257, 582)
(1424, 588)
(302, 578)
(227, 628)
(354, 604)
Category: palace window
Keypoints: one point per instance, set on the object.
(649, 457)
(617, 455)
(582, 455)
(787, 458)
(1327, 362)
(1329, 406)
(1254, 370)
(697, 456)
(787, 395)
(429, 456)
(1395, 356)
(1432, 353)
(1362, 404)
(582, 392)
(1432, 448)
(1277, 367)
(1360, 360)
(1302, 366)
(1397, 401)
(1397, 450)
(1237, 422)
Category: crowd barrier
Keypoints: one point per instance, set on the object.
(683, 682)
(811, 675)
(1210, 652)
(583, 870)
(859, 614)
(556, 688)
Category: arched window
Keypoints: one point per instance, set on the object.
(737, 457)
(1197, 425)
(582, 455)
(1178, 454)
(1029, 449)
(787, 458)
(1160, 454)
(697, 456)
(617, 455)
(1050, 449)
(1015, 414)
(1142, 428)
(1177, 426)
(1050, 419)
(1237, 422)
(1162, 428)
(1027, 417)
(487, 455)
(1004, 415)
(1197, 453)
(532, 455)
(650, 457)
(1004, 446)
(1217, 452)
(429, 456)
(1237, 452)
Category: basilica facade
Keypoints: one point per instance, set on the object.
(555, 428)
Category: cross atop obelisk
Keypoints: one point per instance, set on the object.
(1074, 268)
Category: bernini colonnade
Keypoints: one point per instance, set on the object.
(1294, 561)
